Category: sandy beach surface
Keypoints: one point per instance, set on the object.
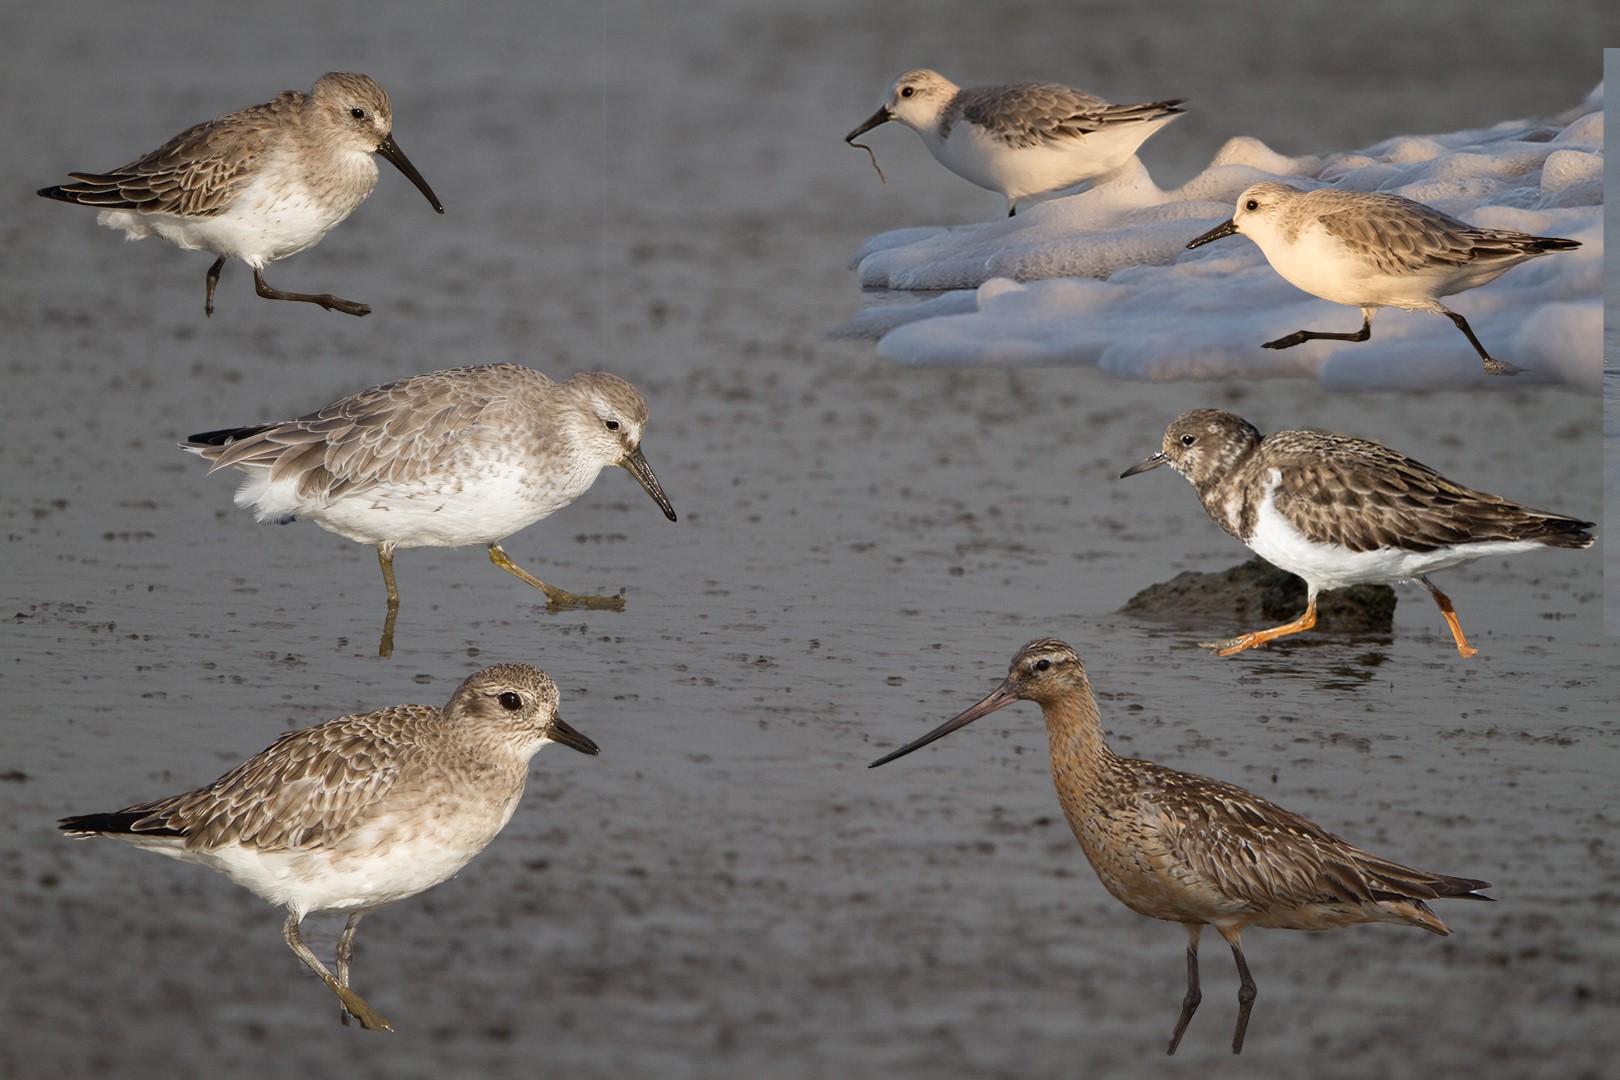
(727, 891)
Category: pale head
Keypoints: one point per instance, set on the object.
(1202, 445)
(517, 702)
(1044, 671)
(1263, 211)
(916, 99)
(356, 112)
(608, 421)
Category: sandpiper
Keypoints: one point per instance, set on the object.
(1021, 139)
(1200, 852)
(1341, 511)
(1370, 250)
(358, 812)
(259, 184)
(465, 456)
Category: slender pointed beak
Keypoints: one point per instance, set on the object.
(390, 150)
(1225, 228)
(1152, 461)
(637, 466)
(999, 698)
(882, 116)
(560, 732)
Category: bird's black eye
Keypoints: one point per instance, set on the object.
(511, 701)
(1188, 440)
(907, 91)
(358, 113)
(612, 425)
(1252, 204)
(1042, 665)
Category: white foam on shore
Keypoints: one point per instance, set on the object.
(1103, 277)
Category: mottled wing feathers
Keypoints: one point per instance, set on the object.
(195, 174)
(1363, 496)
(1257, 854)
(1400, 236)
(396, 433)
(1028, 114)
(308, 789)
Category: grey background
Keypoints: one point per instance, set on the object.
(660, 191)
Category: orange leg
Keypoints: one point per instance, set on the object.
(1450, 614)
(1233, 646)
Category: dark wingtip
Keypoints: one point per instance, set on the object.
(111, 824)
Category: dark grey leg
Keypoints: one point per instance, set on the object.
(326, 300)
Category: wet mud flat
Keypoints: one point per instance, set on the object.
(727, 890)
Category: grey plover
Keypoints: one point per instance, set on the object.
(361, 811)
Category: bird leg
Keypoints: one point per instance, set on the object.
(1308, 335)
(1450, 613)
(385, 556)
(1492, 365)
(1246, 991)
(1233, 646)
(326, 300)
(213, 280)
(353, 1003)
(1189, 1004)
(345, 955)
(555, 598)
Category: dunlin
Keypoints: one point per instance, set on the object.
(1021, 139)
(361, 811)
(1200, 852)
(465, 456)
(1341, 511)
(1371, 250)
(259, 184)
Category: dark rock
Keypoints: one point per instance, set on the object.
(1255, 595)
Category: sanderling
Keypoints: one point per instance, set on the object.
(465, 456)
(1370, 250)
(1200, 852)
(259, 184)
(358, 812)
(1340, 511)
(1023, 139)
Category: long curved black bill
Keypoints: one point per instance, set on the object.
(560, 732)
(638, 468)
(1152, 461)
(999, 698)
(390, 150)
(1225, 228)
(882, 116)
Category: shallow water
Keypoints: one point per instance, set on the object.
(727, 890)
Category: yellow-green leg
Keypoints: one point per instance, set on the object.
(385, 557)
(353, 1003)
(555, 598)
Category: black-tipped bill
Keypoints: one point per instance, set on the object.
(638, 468)
(390, 150)
(999, 698)
(1225, 228)
(1152, 461)
(882, 116)
(560, 732)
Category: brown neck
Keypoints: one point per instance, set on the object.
(1074, 732)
